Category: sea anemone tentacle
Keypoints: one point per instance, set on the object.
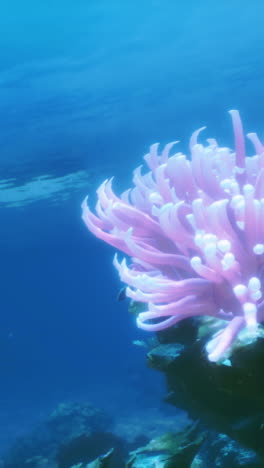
(194, 231)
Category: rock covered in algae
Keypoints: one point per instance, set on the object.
(169, 450)
(103, 461)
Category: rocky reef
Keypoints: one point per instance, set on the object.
(224, 403)
(227, 398)
(60, 439)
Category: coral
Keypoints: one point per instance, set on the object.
(194, 229)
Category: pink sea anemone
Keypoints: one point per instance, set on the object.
(194, 232)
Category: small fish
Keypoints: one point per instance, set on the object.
(140, 343)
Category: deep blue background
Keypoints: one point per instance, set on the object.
(87, 86)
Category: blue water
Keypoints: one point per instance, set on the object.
(85, 88)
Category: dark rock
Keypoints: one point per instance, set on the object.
(219, 451)
(184, 334)
(229, 400)
(195, 447)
